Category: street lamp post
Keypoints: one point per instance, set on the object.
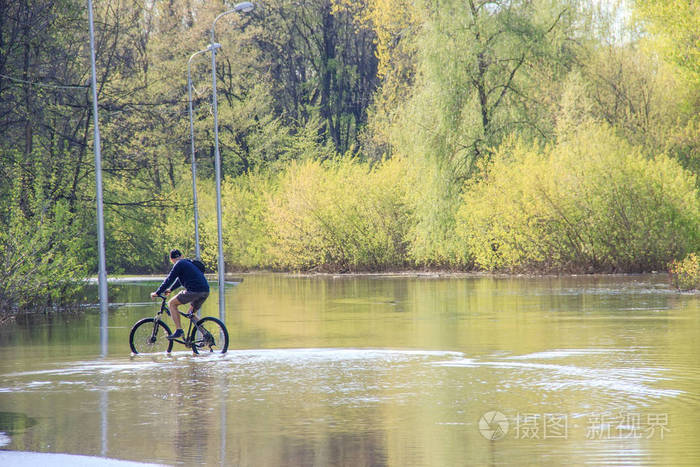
(102, 268)
(197, 250)
(243, 7)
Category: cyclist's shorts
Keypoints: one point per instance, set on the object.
(195, 298)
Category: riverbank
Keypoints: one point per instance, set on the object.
(435, 274)
(239, 276)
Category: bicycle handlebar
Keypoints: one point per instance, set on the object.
(162, 306)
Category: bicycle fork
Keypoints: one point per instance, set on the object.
(156, 323)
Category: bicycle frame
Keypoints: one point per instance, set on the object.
(192, 328)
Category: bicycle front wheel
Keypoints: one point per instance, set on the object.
(147, 336)
(211, 335)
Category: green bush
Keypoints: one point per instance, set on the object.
(141, 228)
(247, 234)
(435, 199)
(245, 231)
(39, 260)
(341, 216)
(590, 203)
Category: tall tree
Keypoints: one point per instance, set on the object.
(479, 71)
(321, 62)
(478, 74)
(43, 101)
(674, 25)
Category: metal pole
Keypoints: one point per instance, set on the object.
(197, 250)
(217, 165)
(244, 7)
(102, 277)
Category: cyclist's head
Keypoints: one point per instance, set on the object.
(175, 254)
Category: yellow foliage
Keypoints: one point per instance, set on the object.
(685, 274)
(395, 23)
(591, 203)
(674, 26)
(341, 215)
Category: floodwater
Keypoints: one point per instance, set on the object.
(373, 371)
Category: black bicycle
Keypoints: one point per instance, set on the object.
(151, 334)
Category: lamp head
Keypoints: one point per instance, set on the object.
(244, 7)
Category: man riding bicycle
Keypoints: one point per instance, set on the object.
(184, 273)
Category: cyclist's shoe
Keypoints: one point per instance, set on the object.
(178, 333)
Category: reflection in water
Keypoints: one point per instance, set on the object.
(14, 423)
(222, 426)
(376, 371)
(104, 421)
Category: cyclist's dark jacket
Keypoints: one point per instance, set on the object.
(184, 273)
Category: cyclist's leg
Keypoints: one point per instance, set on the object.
(174, 312)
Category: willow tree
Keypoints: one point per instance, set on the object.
(674, 26)
(671, 32)
(479, 72)
(480, 66)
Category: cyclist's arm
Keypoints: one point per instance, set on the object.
(176, 285)
(171, 279)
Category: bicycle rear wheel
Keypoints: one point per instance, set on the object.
(211, 335)
(145, 338)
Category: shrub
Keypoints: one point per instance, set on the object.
(685, 274)
(247, 233)
(340, 215)
(39, 260)
(590, 203)
(435, 199)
